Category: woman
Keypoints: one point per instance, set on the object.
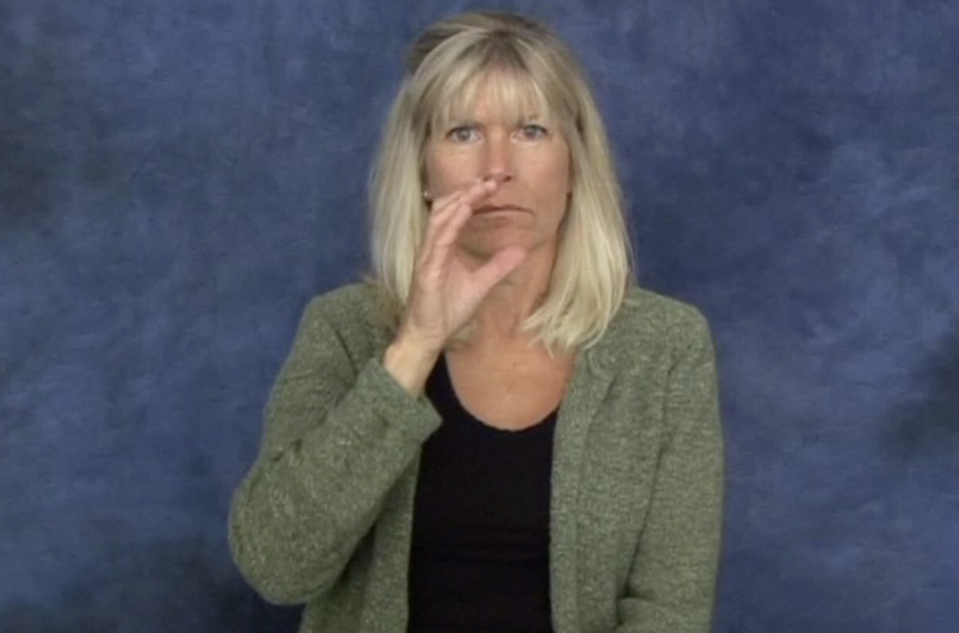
(500, 432)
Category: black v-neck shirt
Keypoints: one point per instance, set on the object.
(480, 550)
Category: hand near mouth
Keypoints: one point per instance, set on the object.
(445, 293)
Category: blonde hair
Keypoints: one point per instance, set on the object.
(444, 70)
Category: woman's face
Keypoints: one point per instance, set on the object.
(527, 154)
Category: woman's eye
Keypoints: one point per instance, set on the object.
(462, 134)
(532, 131)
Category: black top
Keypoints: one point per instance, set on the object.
(480, 550)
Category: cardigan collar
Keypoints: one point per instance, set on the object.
(590, 384)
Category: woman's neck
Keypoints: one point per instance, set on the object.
(504, 310)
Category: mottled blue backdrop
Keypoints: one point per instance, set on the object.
(178, 177)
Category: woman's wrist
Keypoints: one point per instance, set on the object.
(410, 363)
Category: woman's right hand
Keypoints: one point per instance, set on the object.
(446, 291)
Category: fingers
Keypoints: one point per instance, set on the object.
(442, 207)
(449, 214)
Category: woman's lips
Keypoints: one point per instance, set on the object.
(498, 208)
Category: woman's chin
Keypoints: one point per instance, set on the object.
(483, 251)
(487, 248)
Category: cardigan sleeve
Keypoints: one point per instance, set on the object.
(672, 582)
(337, 437)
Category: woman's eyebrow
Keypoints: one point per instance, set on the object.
(460, 122)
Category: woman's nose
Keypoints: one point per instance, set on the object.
(499, 159)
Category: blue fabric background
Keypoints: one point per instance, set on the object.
(178, 177)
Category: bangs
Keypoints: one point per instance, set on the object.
(510, 94)
(514, 82)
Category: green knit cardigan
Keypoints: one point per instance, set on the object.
(324, 516)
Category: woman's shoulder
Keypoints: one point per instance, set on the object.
(348, 300)
(649, 322)
(354, 311)
(649, 309)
